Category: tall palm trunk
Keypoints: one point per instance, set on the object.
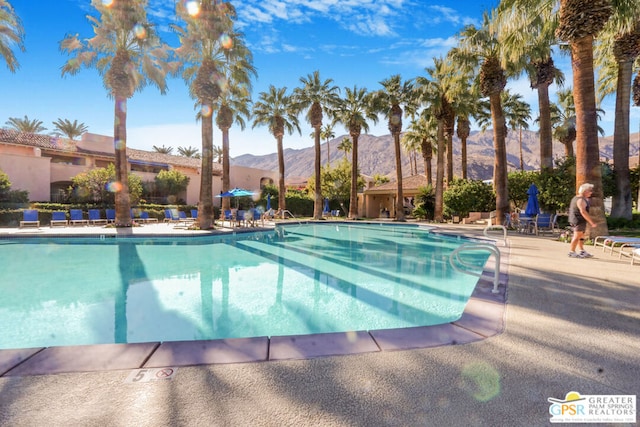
(626, 49)
(521, 157)
(463, 130)
(438, 212)
(587, 148)
(400, 198)
(427, 155)
(205, 204)
(317, 206)
(353, 199)
(546, 141)
(226, 178)
(500, 158)
(449, 127)
(122, 199)
(282, 191)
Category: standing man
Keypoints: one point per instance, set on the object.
(578, 218)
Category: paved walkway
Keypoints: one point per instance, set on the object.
(571, 325)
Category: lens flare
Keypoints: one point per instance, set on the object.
(107, 3)
(122, 106)
(481, 381)
(226, 41)
(206, 111)
(119, 144)
(193, 7)
(140, 31)
(114, 186)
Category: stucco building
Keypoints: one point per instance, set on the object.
(44, 165)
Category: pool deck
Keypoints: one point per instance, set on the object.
(568, 325)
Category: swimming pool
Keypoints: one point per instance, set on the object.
(298, 279)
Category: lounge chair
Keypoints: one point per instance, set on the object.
(635, 255)
(95, 217)
(171, 215)
(111, 215)
(184, 218)
(30, 218)
(76, 217)
(545, 223)
(615, 242)
(257, 216)
(144, 217)
(59, 218)
(194, 214)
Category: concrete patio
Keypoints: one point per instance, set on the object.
(570, 325)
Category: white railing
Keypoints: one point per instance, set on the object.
(488, 228)
(457, 262)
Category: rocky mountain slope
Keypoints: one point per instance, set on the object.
(376, 155)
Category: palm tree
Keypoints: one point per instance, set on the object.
(354, 112)
(532, 53)
(465, 98)
(389, 101)
(189, 152)
(345, 146)
(434, 92)
(234, 102)
(615, 72)
(421, 134)
(481, 47)
(128, 54)
(563, 120)
(327, 134)
(517, 114)
(579, 22)
(163, 149)
(204, 44)
(25, 125)
(217, 153)
(411, 145)
(12, 33)
(316, 95)
(70, 130)
(276, 110)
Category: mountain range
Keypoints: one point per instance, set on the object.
(376, 155)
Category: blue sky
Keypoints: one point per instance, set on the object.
(353, 42)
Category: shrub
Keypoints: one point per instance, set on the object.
(425, 203)
(463, 196)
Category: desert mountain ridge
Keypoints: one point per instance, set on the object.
(376, 155)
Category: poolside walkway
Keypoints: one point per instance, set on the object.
(571, 325)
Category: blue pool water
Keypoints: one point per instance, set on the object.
(298, 279)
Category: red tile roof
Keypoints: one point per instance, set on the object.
(69, 146)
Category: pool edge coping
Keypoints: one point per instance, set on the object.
(483, 317)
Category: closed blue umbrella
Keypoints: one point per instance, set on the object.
(533, 208)
(326, 205)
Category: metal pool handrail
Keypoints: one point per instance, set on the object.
(457, 262)
(496, 227)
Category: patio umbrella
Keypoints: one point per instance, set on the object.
(268, 202)
(533, 208)
(236, 192)
(326, 206)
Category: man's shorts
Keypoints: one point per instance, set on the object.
(579, 227)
